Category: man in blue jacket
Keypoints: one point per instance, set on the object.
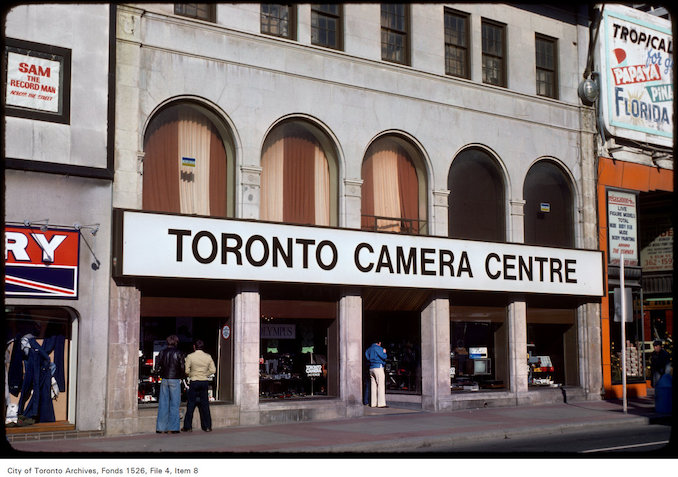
(376, 356)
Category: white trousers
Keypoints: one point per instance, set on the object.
(377, 387)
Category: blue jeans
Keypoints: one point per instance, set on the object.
(168, 405)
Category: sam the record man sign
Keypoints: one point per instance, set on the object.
(41, 263)
(160, 245)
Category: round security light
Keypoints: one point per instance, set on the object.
(588, 91)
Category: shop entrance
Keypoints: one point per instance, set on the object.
(552, 347)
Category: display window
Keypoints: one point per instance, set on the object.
(478, 348)
(189, 319)
(38, 375)
(298, 350)
(638, 345)
(553, 358)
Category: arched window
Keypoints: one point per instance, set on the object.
(394, 191)
(187, 163)
(477, 197)
(549, 206)
(298, 178)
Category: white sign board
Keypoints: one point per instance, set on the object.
(636, 57)
(622, 229)
(158, 245)
(33, 82)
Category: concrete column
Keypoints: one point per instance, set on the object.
(122, 409)
(351, 351)
(516, 231)
(352, 204)
(435, 352)
(246, 318)
(441, 206)
(250, 180)
(517, 322)
(590, 350)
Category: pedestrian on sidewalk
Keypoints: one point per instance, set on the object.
(170, 368)
(659, 359)
(376, 356)
(199, 367)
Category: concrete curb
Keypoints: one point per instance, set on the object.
(410, 443)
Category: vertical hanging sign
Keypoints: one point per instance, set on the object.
(622, 229)
(41, 263)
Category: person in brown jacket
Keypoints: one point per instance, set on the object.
(199, 367)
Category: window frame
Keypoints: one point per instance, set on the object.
(553, 71)
(291, 20)
(387, 29)
(209, 9)
(466, 47)
(318, 12)
(501, 57)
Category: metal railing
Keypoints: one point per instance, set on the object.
(377, 223)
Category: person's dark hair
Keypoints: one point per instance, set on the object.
(172, 340)
(657, 343)
(199, 344)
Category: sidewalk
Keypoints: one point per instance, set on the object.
(380, 430)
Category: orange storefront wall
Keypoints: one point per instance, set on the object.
(635, 177)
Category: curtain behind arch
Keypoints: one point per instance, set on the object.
(390, 190)
(185, 165)
(295, 179)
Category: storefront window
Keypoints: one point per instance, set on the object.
(638, 346)
(552, 347)
(30, 331)
(298, 350)
(478, 348)
(190, 319)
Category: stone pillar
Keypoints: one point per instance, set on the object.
(441, 206)
(435, 352)
(351, 351)
(352, 204)
(517, 347)
(250, 178)
(122, 409)
(246, 318)
(516, 232)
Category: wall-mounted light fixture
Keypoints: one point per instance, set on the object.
(32, 223)
(94, 228)
(589, 89)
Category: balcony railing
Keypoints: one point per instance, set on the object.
(399, 225)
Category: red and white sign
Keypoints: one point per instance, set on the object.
(41, 263)
(33, 82)
(622, 229)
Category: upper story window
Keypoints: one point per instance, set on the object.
(494, 53)
(477, 197)
(299, 176)
(547, 66)
(456, 44)
(394, 33)
(394, 188)
(188, 163)
(201, 11)
(326, 25)
(549, 206)
(278, 20)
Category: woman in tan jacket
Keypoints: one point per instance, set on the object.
(199, 367)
